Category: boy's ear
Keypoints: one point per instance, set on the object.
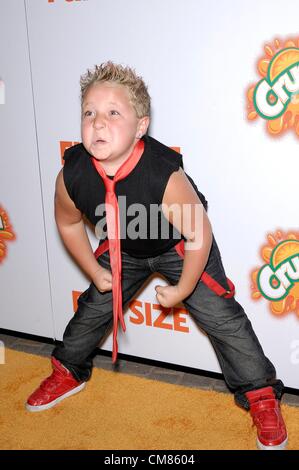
(143, 126)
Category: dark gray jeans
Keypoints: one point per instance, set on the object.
(240, 355)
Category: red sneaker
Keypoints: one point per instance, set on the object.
(61, 384)
(266, 415)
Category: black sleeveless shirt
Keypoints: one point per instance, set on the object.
(145, 232)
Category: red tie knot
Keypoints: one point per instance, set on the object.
(110, 184)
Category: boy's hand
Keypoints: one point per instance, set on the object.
(102, 279)
(168, 296)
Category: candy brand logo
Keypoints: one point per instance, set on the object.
(278, 280)
(6, 233)
(154, 315)
(275, 97)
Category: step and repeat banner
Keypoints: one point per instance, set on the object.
(224, 82)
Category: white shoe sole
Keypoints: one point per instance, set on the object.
(281, 446)
(54, 402)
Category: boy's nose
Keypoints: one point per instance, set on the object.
(99, 122)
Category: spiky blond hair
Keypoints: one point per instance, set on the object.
(126, 76)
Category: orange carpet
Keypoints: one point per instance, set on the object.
(117, 411)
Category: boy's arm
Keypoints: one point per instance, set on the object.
(72, 229)
(190, 219)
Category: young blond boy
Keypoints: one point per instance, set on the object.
(118, 159)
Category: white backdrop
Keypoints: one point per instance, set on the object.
(24, 278)
(198, 58)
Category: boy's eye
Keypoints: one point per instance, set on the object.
(87, 113)
(113, 112)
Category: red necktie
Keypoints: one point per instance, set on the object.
(113, 230)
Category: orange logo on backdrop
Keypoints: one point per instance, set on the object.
(65, 144)
(275, 98)
(152, 315)
(6, 233)
(278, 279)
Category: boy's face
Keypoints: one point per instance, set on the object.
(110, 127)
